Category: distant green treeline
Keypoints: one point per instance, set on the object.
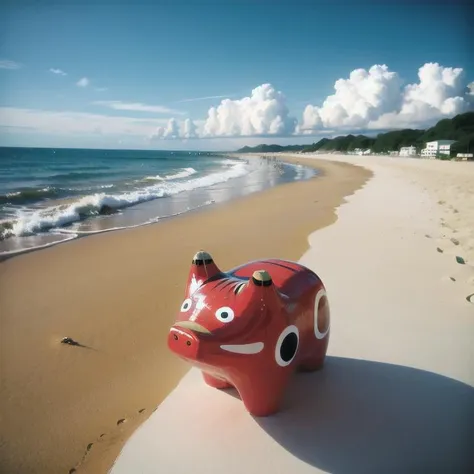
(459, 128)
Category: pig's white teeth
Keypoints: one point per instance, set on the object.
(253, 348)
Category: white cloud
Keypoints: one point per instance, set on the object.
(363, 97)
(189, 129)
(440, 93)
(84, 82)
(470, 88)
(137, 107)
(173, 130)
(263, 113)
(367, 100)
(7, 64)
(67, 123)
(375, 99)
(60, 72)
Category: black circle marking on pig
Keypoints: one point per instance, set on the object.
(289, 346)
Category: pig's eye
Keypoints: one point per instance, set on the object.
(186, 305)
(225, 314)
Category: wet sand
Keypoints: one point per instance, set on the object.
(65, 407)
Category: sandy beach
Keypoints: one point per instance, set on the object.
(397, 390)
(202, 205)
(70, 409)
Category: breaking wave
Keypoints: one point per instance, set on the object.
(184, 173)
(31, 221)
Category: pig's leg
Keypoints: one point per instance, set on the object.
(215, 382)
(261, 399)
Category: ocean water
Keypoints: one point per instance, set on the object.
(51, 195)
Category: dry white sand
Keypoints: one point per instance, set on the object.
(396, 394)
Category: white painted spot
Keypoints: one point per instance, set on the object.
(225, 314)
(317, 333)
(194, 285)
(200, 304)
(287, 331)
(253, 348)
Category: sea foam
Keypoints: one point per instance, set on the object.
(30, 222)
(184, 173)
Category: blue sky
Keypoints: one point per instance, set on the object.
(141, 62)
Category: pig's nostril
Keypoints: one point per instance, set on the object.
(188, 343)
(175, 337)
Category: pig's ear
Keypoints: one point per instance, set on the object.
(261, 278)
(261, 286)
(202, 268)
(203, 265)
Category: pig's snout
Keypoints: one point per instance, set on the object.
(183, 343)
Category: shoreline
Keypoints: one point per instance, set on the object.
(108, 292)
(82, 235)
(401, 331)
(67, 234)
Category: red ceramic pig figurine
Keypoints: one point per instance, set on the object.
(252, 327)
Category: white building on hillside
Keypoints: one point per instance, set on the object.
(465, 156)
(408, 151)
(360, 151)
(438, 147)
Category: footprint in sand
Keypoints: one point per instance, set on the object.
(470, 298)
(89, 446)
(141, 410)
(439, 250)
(122, 420)
(72, 470)
(452, 278)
